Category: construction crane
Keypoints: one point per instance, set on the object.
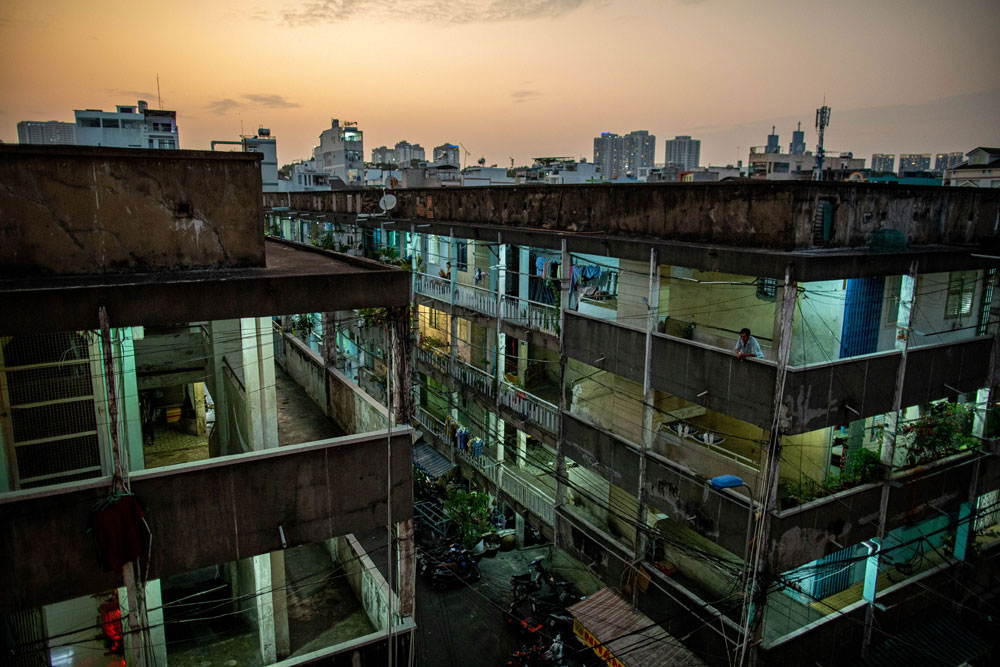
(465, 159)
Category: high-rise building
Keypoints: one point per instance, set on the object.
(46, 132)
(945, 161)
(447, 153)
(638, 153)
(607, 154)
(341, 152)
(127, 127)
(884, 162)
(405, 153)
(798, 145)
(382, 155)
(684, 152)
(632, 155)
(911, 162)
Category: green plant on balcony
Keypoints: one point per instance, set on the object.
(468, 511)
(865, 466)
(327, 242)
(944, 429)
(275, 229)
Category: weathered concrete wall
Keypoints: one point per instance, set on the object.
(306, 368)
(171, 359)
(205, 513)
(353, 409)
(750, 214)
(816, 529)
(365, 579)
(90, 210)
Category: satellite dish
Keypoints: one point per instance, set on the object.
(387, 203)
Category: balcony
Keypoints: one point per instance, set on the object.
(531, 314)
(531, 409)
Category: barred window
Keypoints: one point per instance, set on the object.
(961, 291)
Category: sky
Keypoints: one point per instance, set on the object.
(516, 79)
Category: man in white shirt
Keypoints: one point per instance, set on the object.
(747, 345)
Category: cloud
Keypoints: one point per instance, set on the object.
(270, 100)
(131, 94)
(222, 106)
(428, 11)
(266, 100)
(524, 95)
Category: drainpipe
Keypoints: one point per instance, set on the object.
(904, 318)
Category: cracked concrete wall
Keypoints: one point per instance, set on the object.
(89, 210)
(747, 214)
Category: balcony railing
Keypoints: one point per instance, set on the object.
(476, 298)
(434, 358)
(531, 408)
(528, 496)
(432, 286)
(432, 424)
(473, 377)
(531, 314)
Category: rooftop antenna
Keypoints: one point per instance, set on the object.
(511, 162)
(822, 120)
(159, 100)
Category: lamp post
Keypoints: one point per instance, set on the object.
(733, 482)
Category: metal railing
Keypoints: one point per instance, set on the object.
(434, 358)
(531, 408)
(432, 286)
(476, 298)
(530, 314)
(432, 424)
(535, 500)
(473, 377)
(682, 432)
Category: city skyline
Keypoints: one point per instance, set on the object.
(393, 87)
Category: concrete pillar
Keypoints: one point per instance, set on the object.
(565, 276)
(330, 327)
(522, 448)
(223, 343)
(264, 601)
(130, 415)
(524, 270)
(201, 427)
(519, 529)
(257, 353)
(406, 565)
(279, 604)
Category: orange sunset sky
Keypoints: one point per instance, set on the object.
(520, 78)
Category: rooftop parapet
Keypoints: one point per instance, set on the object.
(71, 210)
(769, 215)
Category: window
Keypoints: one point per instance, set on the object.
(88, 122)
(109, 122)
(462, 256)
(767, 288)
(961, 291)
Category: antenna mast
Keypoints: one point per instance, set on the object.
(822, 120)
(159, 100)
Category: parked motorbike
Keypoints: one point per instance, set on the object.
(463, 571)
(528, 582)
(536, 655)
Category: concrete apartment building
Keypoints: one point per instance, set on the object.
(341, 152)
(883, 163)
(447, 154)
(946, 161)
(401, 155)
(808, 506)
(632, 155)
(49, 132)
(913, 162)
(128, 127)
(151, 365)
(684, 152)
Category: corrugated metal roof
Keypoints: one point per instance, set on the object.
(629, 635)
(427, 459)
(943, 641)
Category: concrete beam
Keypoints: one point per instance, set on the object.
(297, 279)
(204, 513)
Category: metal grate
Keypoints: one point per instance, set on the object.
(50, 418)
(27, 634)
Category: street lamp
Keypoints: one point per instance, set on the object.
(733, 482)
